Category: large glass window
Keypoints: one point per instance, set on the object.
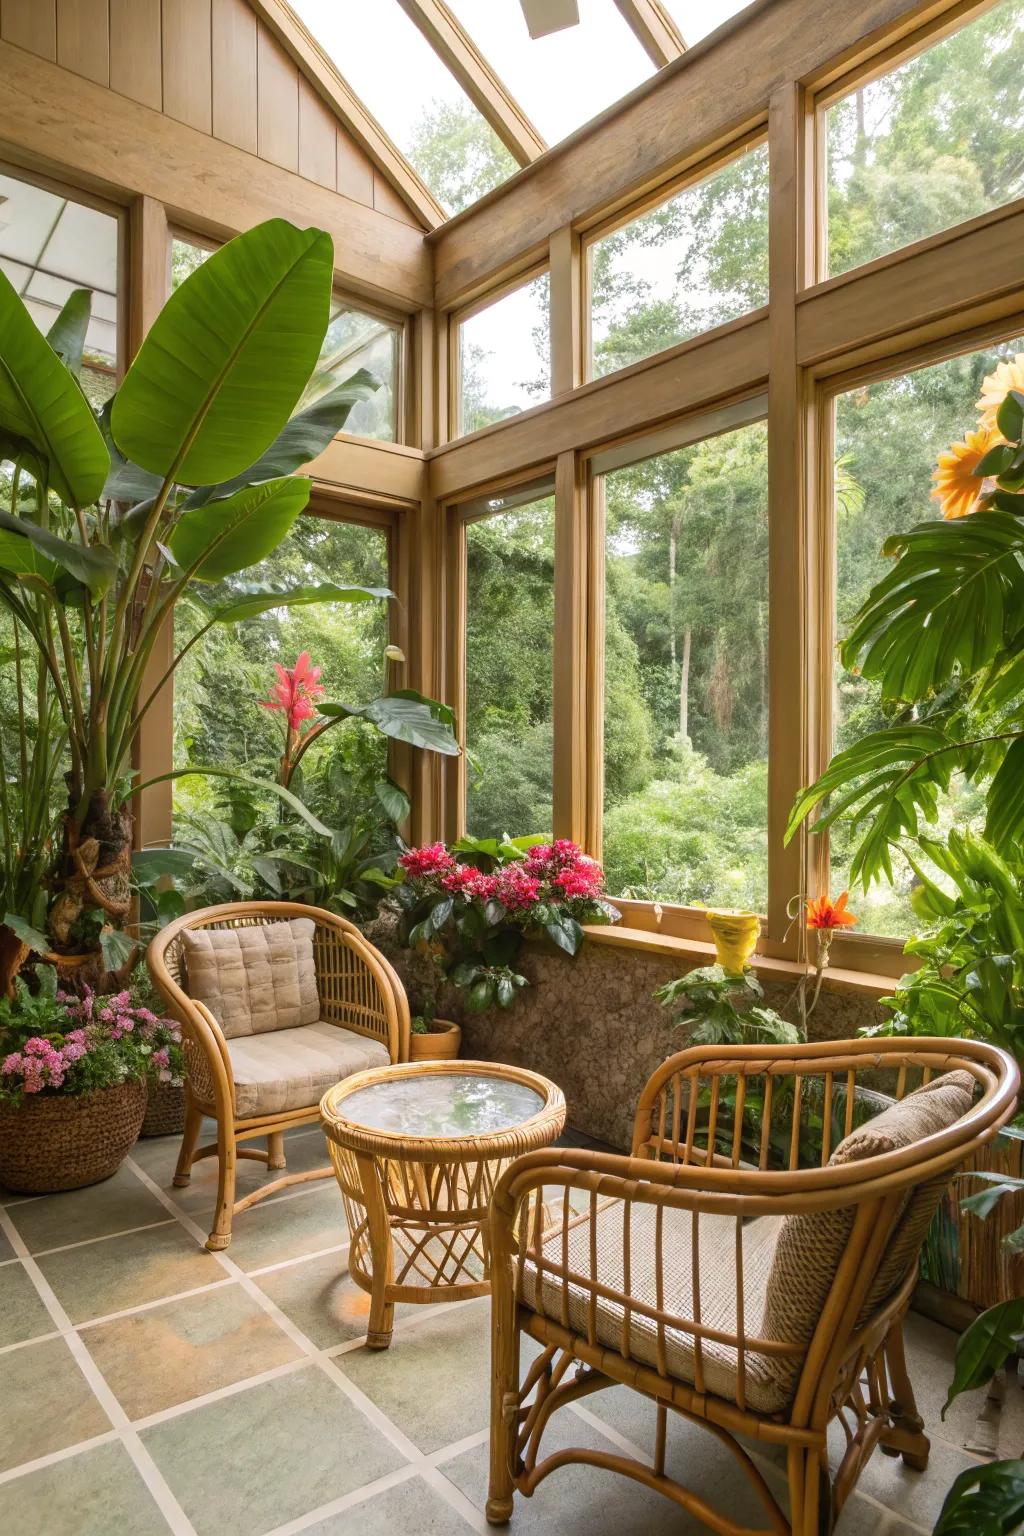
(218, 686)
(694, 262)
(930, 144)
(686, 674)
(355, 340)
(504, 355)
(888, 437)
(51, 245)
(510, 615)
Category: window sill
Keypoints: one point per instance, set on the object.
(692, 952)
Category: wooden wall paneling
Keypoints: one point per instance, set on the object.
(318, 135)
(30, 24)
(83, 38)
(569, 680)
(187, 42)
(794, 680)
(122, 150)
(386, 200)
(136, 51)
(277, 103)
(564, 264)
(713, 92)
(233, 72)
(354, 170)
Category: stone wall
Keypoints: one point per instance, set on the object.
(592, 1025)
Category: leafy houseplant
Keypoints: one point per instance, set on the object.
(73, 1082)
(183, 480)
(473, 905)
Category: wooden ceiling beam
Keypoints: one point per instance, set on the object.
(335, 90)
(491, 97)
(655, 30)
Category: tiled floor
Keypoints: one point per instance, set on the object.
(148, 1385)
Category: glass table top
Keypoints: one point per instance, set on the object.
(442, 1104)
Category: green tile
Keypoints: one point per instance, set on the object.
(95, 1493)
(22, 1314)
(158, 1358)
(412, 1506)
(113, 1206)
(320, 1298)
(289, 1228)
(6, 1248)
(268, 1454)
(434, 1381)
(127, 1271)
(48, 1404)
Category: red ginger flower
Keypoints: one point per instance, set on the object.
(823, 913)
(296, 691)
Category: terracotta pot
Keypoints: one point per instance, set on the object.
(735, 935)
(55, 1141)
(440, 1042)
(165, 1110)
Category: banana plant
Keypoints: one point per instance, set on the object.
(185, 479)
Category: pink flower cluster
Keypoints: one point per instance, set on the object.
(40, 1064)
(550, 872)
(296, 691)
(93, 1023)
(434, 859)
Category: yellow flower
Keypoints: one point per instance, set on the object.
(957, 488)
(997, 385)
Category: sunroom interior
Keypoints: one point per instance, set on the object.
(609, 416)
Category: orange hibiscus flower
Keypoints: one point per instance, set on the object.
(957, 488)
(997, 385)
(823, 912)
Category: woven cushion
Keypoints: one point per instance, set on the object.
(293, 1068)
(810, 1246)
(254, 979)
(716, 1248)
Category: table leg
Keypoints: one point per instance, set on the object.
(382, 1308)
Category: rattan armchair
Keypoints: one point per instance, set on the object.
(358, 991)
(683, 1270)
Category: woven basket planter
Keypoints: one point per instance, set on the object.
(165, 1110)
(63, 1141)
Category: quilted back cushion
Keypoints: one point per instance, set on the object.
(810, 1246)
(254, 979)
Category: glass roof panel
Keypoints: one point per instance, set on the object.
(566, 78)
(696, 18)
(417, 101)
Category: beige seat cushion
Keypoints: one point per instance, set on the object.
(254, 979)
(716, 1248)
(286, 1069)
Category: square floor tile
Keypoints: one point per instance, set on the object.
(127, 1271)
(6, 1248)
(254, 1460)
(930, 1350)
(166, 1355)
(22, 1314)
(93, 1494)
(320, 1298)
(115, 1205)
(305, 1149)
(48, 1404)
(290, 1227)
(434, 1381)
(412, 1506)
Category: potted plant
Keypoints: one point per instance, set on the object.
(431, 1038)
(474, 905)
(73, 1082)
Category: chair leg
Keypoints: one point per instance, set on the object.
(810, 1494)
(504, 1401)
(220, 1234)
(189, 1138)
(275, 1150)
(907, 1437)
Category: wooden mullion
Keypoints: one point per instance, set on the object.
(569, 681)
(654, 29)
(566, 310)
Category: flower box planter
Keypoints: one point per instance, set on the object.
(165, 1110)
(439, 1042)
(57, 1141)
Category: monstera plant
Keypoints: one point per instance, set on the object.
(182, 482)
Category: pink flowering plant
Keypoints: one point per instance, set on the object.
(472, 905)
(54, 1042)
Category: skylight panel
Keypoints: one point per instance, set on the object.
(696, 18)
(418, 102)
(563, 80)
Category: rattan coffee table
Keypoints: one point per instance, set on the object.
(418, 1149)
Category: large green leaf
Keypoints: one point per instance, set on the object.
(223, 365)
(983, 1347)
(67, 333)
(22, 559)
(228, 536)
(1004, 825)
(93, 567)
(304, 437)
(954, 597)
(984, 1501)
(255, 599)
(405, 716)
(41, 403)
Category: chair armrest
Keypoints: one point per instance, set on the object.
(208, 1060)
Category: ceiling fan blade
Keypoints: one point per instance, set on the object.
(544, 16)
